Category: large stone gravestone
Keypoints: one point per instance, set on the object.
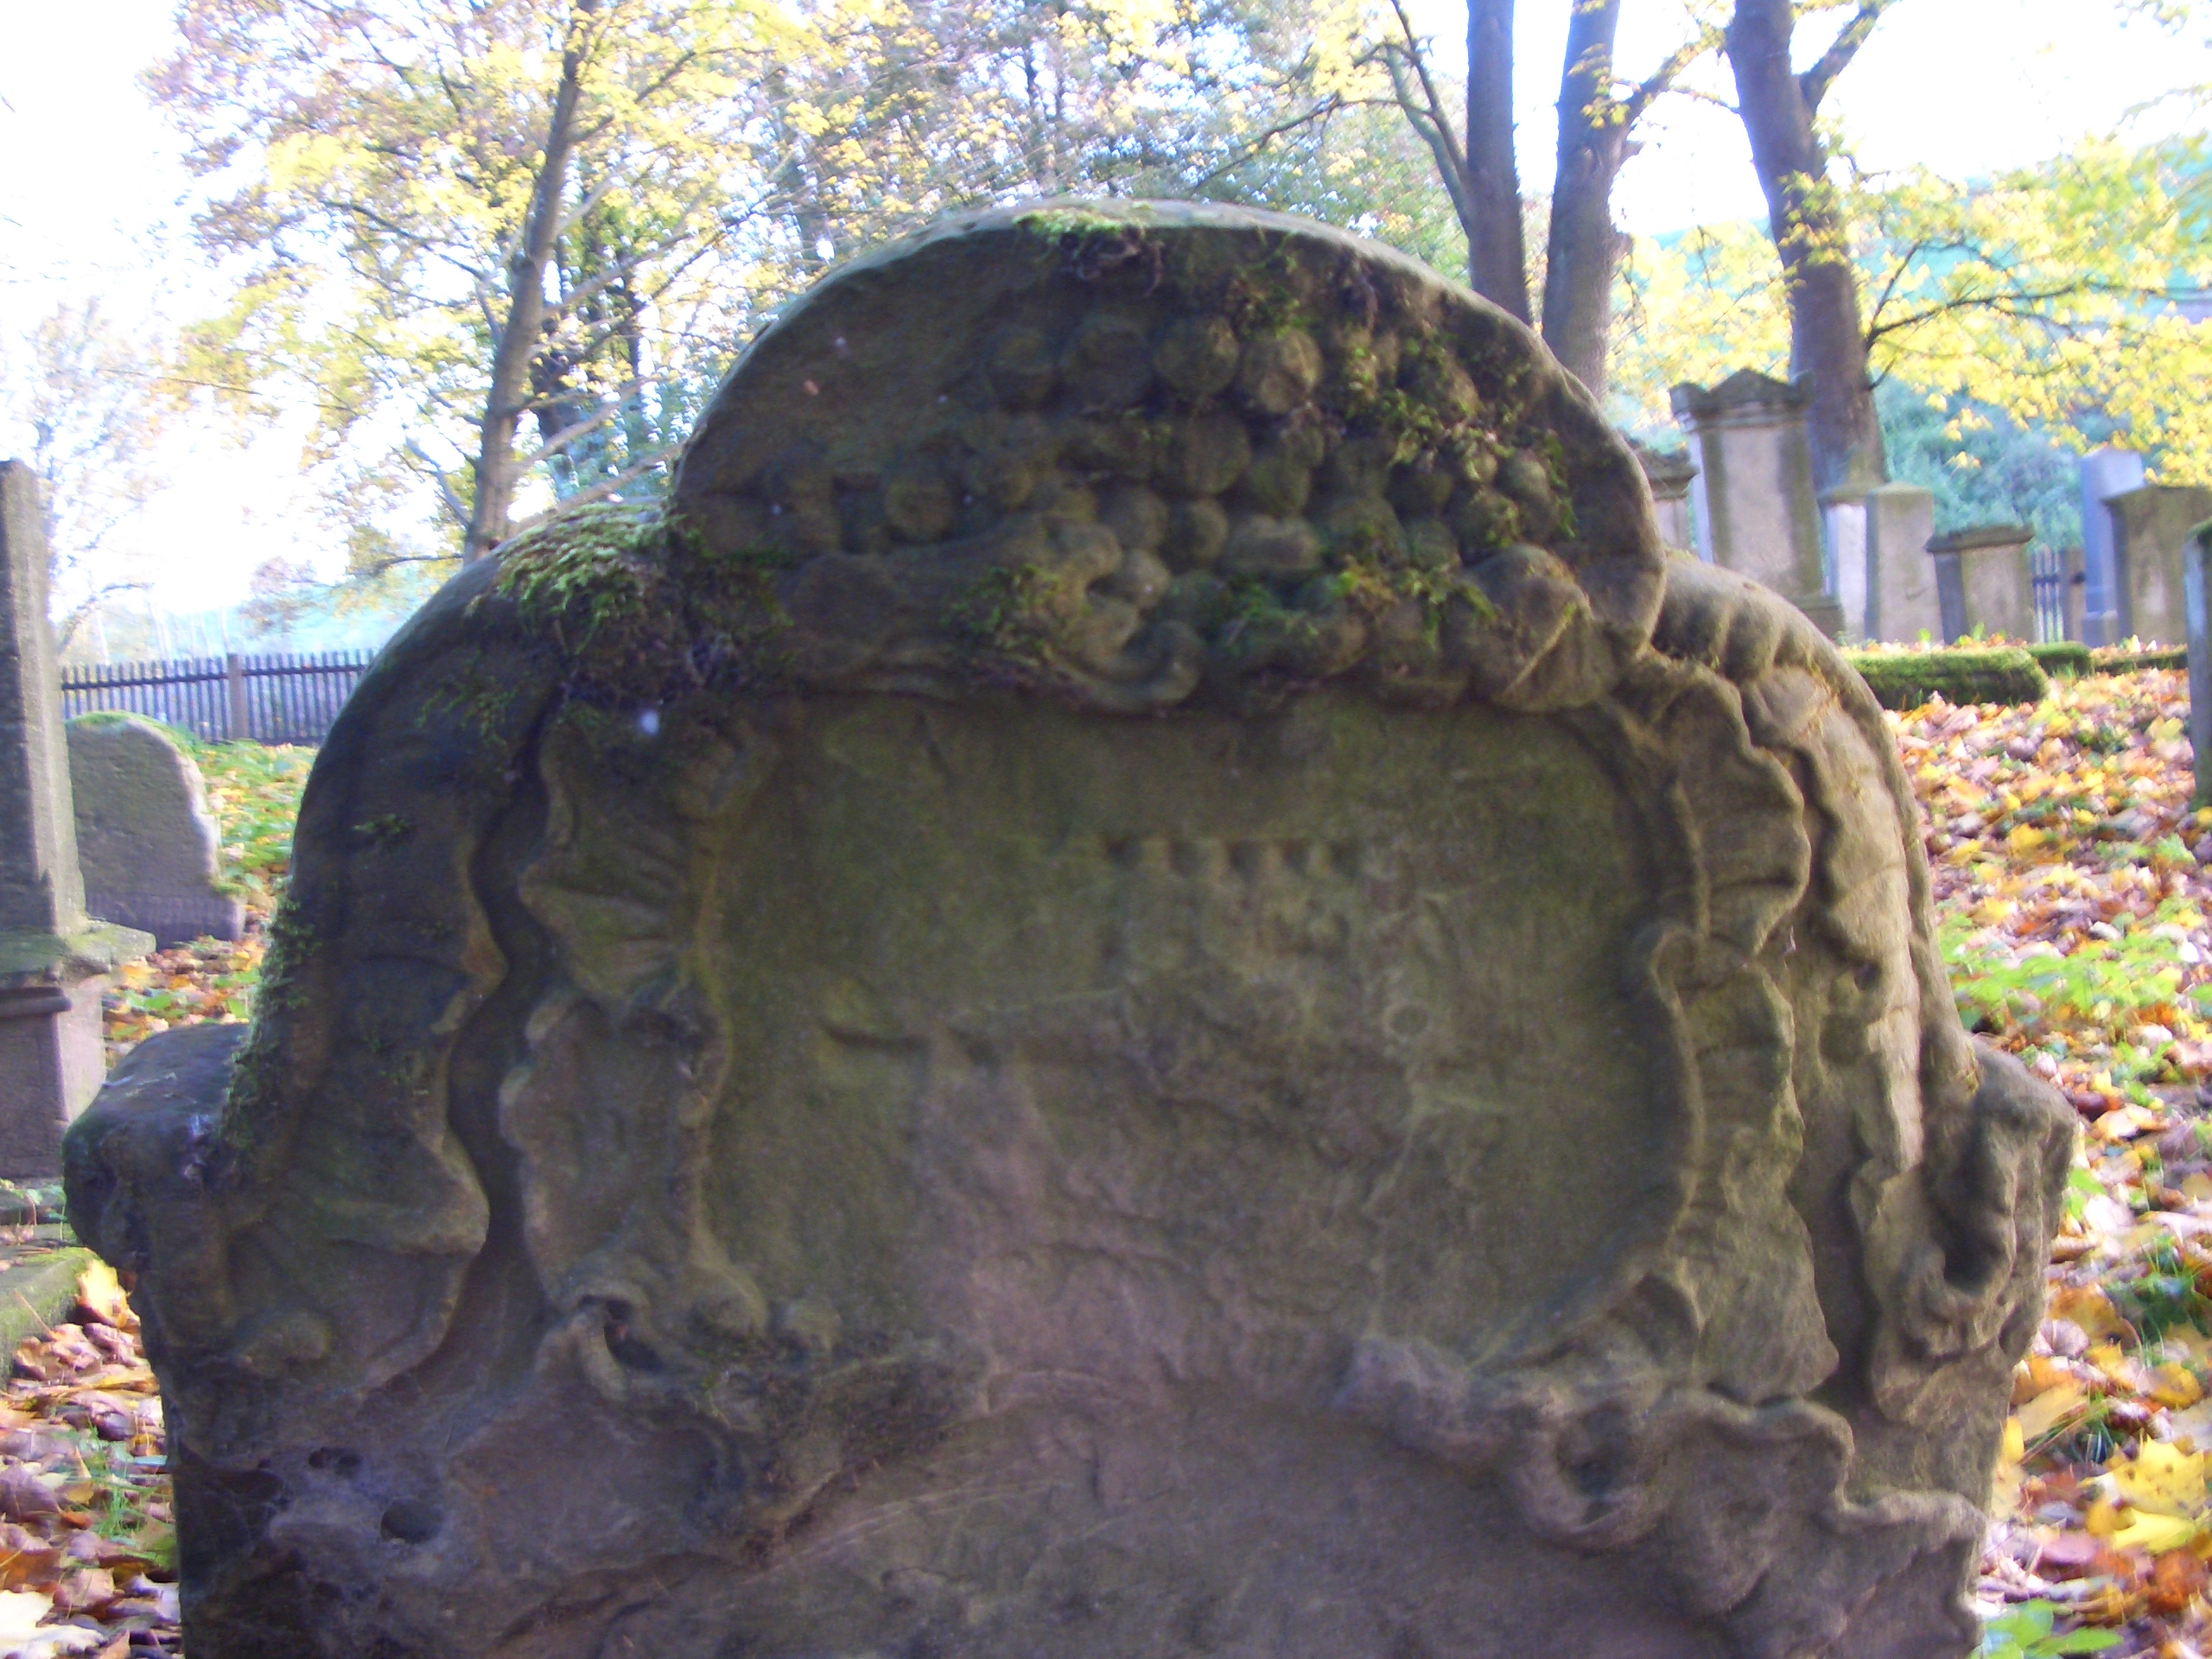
(146, 841)
(2151, 530)
(1984, 581)
(1148, 984)
(54, 959)
(1757, 512)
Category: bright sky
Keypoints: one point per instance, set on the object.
(90, 200)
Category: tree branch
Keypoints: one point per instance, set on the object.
(599, 492)
(1663, 79)
(452, 502)
(1814, 82)
(1428, 88)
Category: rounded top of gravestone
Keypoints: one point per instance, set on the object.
(141, 806)
(1132, 452)
(1981, 535)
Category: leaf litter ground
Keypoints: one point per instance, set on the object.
(2072, 895)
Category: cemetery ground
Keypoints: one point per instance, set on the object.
(2074, 890)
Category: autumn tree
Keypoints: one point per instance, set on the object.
(89, 402)
(1599, 111)
(507, 246)
(1780, 105)
(475, 223)
(2055, 296)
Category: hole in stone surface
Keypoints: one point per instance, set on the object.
(337, 1460)
(412, 1520)
(629, 1353)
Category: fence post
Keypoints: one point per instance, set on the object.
(234, 672)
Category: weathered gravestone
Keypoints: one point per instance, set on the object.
(1984, 581)
(1757, 512)
(1147, 985)
(53, 960)
(2151, 530)
(146, 841)
(1670, 474)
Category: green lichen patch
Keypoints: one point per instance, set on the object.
(254, 1099)
(640, 608)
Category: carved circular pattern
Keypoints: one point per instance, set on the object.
(1126, 452)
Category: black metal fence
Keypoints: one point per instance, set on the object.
(2048, 566)
(285, 698)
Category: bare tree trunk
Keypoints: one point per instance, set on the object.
(498, 469)
(1584, 249)
(1827, 339)
(1498, 257)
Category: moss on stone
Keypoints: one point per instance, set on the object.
(640, 606)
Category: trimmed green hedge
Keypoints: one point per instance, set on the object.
(1906, 679)
(2066, 657)
(2127, 661)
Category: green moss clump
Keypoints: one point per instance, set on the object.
(1057, 222)
(640, 608)
(592, 580)
(255, 1092)
(1906, 679)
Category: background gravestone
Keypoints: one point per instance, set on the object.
(146, 841)
(54, 962)
(1148, 982)
(1670, 474)
(2104, 474)
(1884, 561)
(1983, 577)
(1757, 514)
(2151, 527)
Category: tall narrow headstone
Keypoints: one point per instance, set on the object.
(1983, 577)
(1670, 474)
(2196, 600)
(2104, 473)
(53, 961)
(1757, 514)
(2151, 527)
(1878, 541)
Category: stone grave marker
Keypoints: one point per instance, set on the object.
(146, 841)
(2103, 474)
(54, 962)
(2151, 530)
(2197, 602)
(1757, 511)
(1879, 540)
(1670, 472)
(1983, 577)
(1147, 984)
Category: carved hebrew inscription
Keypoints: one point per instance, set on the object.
(1002, 991)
